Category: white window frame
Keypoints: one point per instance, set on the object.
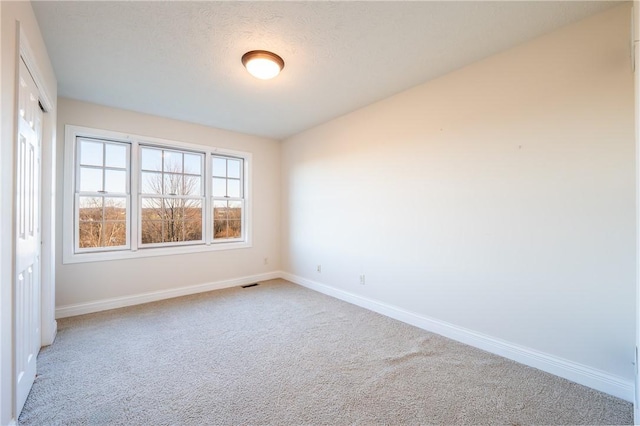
(71, 254)
(241, 199)
(78, 193)
(201, 197)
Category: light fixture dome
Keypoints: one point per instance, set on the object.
(262, 64)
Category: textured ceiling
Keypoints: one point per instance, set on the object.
(182, 59)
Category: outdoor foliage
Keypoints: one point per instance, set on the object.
(102, 222)
(227, 219)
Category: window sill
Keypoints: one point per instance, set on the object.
(70, 258)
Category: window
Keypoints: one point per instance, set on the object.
(129, 196)
(102, 188)
(172, 196)
(227, 197)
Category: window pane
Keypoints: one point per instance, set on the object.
(115, 208)
(171, 220)
(192, 185)
(153, 221)
(172, 207)
(219, 229)
(173, 184)
(193, 164)
(234, 229)
(91, 153)
(172, 231)
(233, 168)
(233, 188)
(90, 209)
(115, 181)
(90, 234)
(219, 210)
(151, 159)
(219, 167)
(151, 231)
(151, 183)
(100, 227)
(235, 210)
(90, 179)
(152, 209)
(116, 156)
(192, 210)
(179, 230)
(172, 161)
(181, 209)
(219, 187)
(193, 230)
(114, 234)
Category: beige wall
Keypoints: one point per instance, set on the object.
(15, 14)
(498, 198)
(96, 281)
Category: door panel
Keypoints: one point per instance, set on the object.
(27, 204)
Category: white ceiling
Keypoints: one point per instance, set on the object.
(182, 59)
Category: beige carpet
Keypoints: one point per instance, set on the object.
(284, 355)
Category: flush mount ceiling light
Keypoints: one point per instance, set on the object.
(262, 64)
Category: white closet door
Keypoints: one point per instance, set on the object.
(27, 236)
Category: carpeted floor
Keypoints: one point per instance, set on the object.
(281, 354)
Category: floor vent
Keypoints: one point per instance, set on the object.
(249, 285)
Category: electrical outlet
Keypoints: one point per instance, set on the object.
(319, 269)
(362, 279)
(266, 260)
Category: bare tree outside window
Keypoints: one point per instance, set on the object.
(103, 222)
(172, 204)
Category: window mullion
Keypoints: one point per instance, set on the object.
(134, 195)
(104, 171)
(207, 226)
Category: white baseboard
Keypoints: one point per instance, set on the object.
(582, 374)
(137, 299)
